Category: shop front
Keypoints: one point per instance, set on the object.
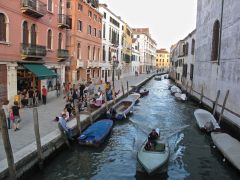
(35, 76)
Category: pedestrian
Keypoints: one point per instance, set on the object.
(30, 97)
(62, 121)
(64, 90)
(81, 91)
(44, 95)
(58, 88)
(7, 113)
(16, 116)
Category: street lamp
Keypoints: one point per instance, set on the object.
(115, 63)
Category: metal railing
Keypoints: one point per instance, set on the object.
(33, 50)
(62, 53)
(34, 7)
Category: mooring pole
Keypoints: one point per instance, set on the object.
(127, 88)
(201, 98)
(7, 145)
(223, 107)
(38, 138)
(123, 89)
(79, 131)
(216, 103)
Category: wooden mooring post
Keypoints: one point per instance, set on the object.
(114, 96)
(223, 107)
(201, 97)
(106, 102)
(89, 110)
(127, 88)
(79, 130)
(186, 88)
(122, 89)
(216, 103)
(7, 146)
(38, 138)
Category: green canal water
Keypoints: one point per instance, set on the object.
(191, 152)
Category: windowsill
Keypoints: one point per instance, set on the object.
(5, 43)
(50, 50)
(214, 61)
(50, 12)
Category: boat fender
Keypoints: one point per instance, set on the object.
(224, 160)
(124, 115)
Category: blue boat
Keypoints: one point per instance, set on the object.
(96, 133)
(120, 110)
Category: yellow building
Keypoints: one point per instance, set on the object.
(126, 49)
(162, 60)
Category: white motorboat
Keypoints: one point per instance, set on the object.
(206, 121)
(153, 161)
(135, 97)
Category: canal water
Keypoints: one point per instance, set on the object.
(191, 153)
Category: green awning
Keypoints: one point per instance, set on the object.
(40, 71)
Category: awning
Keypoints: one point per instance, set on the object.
(40, 71)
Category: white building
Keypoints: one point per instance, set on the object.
(147, 49)
(135, 57)
(217, 65)
(111, 34)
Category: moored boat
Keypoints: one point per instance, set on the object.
(120, 110)
(228, 146)
(143, 92)
(135, 97)
(180, 96)
(206, 121)
(158, 78)
(96, 133)
(154, 160)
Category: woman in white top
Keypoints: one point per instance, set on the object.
(7, 113)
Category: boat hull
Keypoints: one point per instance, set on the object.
(154, 161)
(96, 133)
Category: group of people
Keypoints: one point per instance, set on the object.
(152, 140)
(12, 115)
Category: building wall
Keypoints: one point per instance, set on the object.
(162, 60)
(10, 50)
(222, 75)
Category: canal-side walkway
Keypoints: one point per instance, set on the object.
(47, 113)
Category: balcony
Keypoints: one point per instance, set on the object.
(34, 8)
(62, 54)
(33, 51)
(80, 63)
(63, 21)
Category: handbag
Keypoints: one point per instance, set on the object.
(11, 116)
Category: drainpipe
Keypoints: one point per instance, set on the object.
(220, 35)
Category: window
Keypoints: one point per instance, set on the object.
(89, 30)
(184, 73)
(215, 41)
(105, 15)
(98, 54)
(93, 53)
(60, 7)
(104, 54)
(193, 46)
(78, 51)
(79, 27)
(60, 41)
(3, 27)
(25, 33)
(191, 71)
(89, 51)
(68, 4)
(95, 32)
(99, 20)
(80, 7)
(90, 14)
(102, 73)
(33, 35)
(95, 17)
(50, 5)
(186, 49)
(104, 31)
(99, 34)
(49, 39)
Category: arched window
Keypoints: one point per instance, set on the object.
(215, 41)
(193, 46)
(104, 54)
(33, 35)
(78, 50)
(49, 39)
(25, 33)
(93, 55)
(60, 41)
(3, 27)
(89, 53)
(60, 7)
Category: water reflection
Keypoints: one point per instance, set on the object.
(191, 156)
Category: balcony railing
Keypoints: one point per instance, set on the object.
(33, 51)
(34, 8)
(62, 54)
(63, 21)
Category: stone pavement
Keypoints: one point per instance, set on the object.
(47, 113)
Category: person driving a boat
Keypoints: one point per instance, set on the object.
(149, 146)
(153, 136)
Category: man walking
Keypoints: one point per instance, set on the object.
(44, 95)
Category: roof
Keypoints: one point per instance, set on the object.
(163, 50)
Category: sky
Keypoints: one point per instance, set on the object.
(168, 20)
